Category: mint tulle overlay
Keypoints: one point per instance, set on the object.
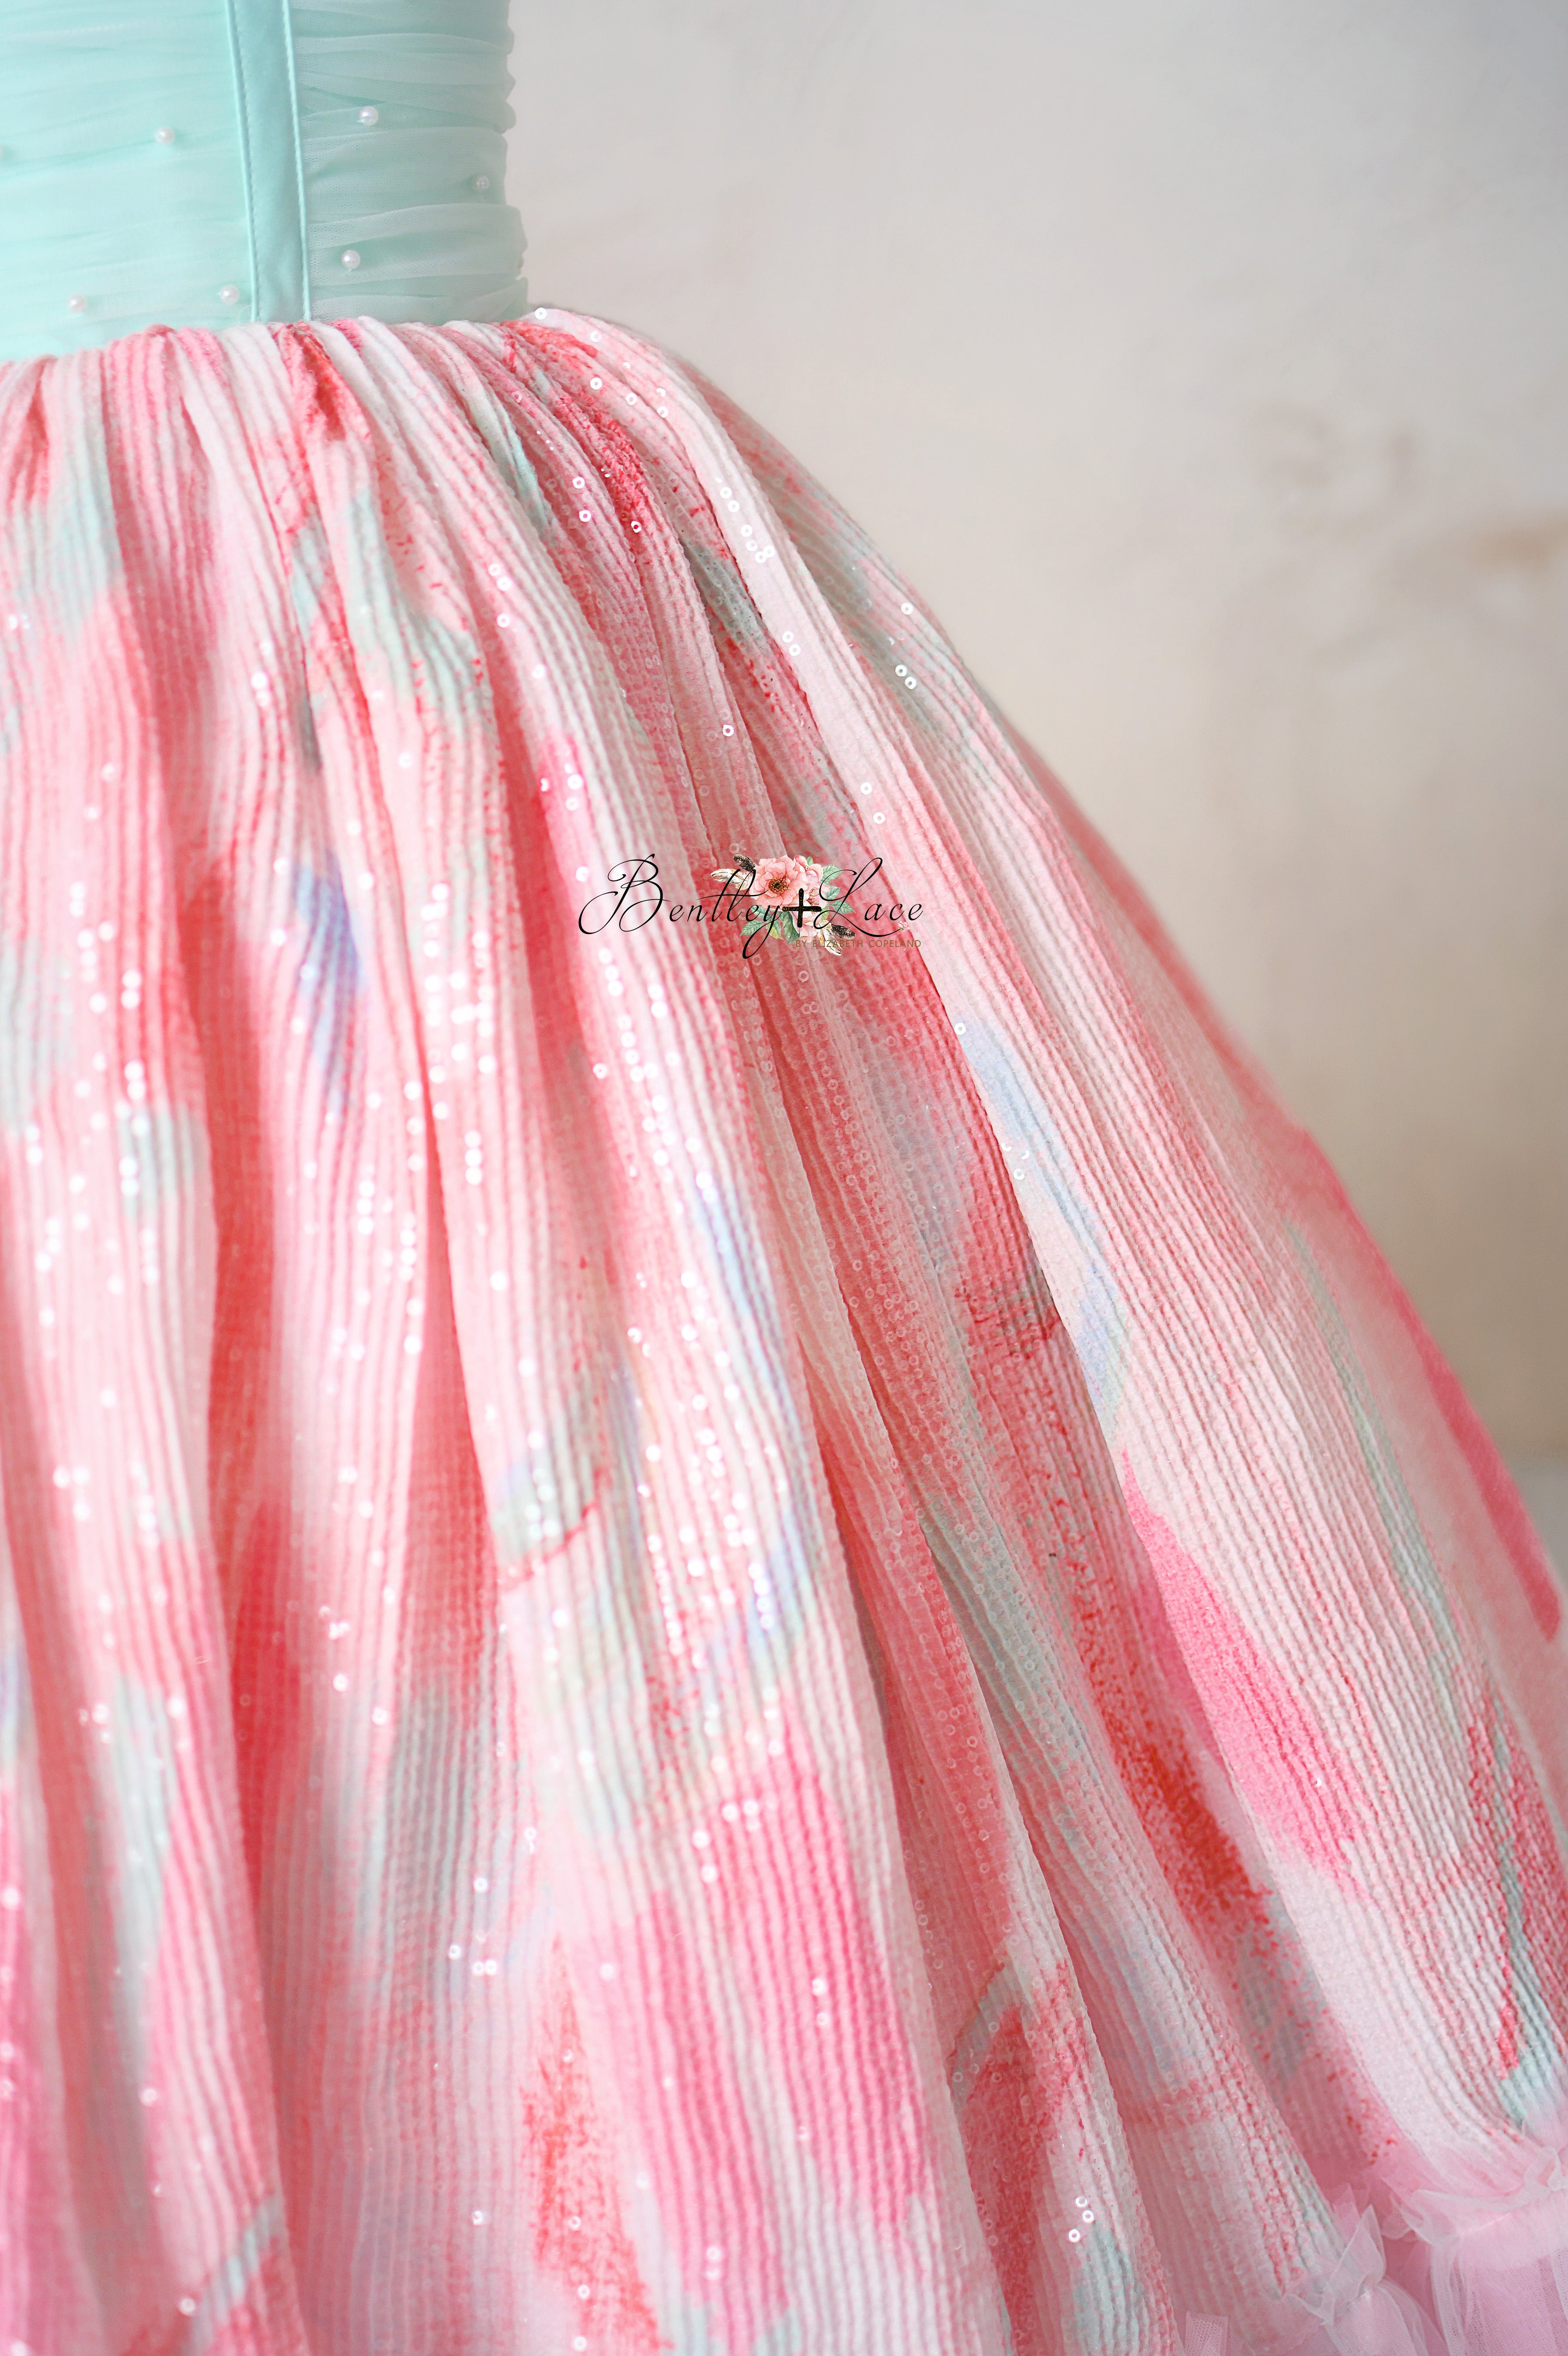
(739, 1655)
(296, 136)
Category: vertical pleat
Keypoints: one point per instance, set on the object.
(702, 1652)
(108, 1263)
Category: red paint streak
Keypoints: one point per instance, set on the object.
(1009, 2127)
(1120, 1637)
(680, 2091)
(1280, 1758)
(578, 2232)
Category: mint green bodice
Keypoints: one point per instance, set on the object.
(192, 163)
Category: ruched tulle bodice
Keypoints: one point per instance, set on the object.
(198, 161)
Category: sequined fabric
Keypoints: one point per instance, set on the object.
(774, 1654)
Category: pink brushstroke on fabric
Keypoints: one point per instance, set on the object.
(1295, 1783)
(692, 2061)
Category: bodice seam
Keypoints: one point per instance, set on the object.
(261, 45)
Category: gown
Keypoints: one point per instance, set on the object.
(720, 1631)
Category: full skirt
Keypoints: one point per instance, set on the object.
(709, 1640)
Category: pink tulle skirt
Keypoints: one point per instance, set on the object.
(757, 1634)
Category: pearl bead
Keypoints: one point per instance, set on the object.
(351, 258)
(229, 294)
(77, 303)
(165, 135)
(483, 180)
(369, 114)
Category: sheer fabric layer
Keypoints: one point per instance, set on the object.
(735, 1653)
(202, 162)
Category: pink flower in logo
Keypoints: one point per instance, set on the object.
(778, 881)
(786, 899)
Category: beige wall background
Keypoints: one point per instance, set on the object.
(1206, 363)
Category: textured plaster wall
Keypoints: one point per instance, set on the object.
(1206, 363)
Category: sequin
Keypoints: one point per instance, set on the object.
(749, 1513)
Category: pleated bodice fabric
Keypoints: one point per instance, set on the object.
(204, 162)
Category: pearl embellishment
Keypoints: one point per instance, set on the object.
(482, 180)
(229, 294)
(369, 114)
(77, 303)
(351, 258)
(165, 135)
